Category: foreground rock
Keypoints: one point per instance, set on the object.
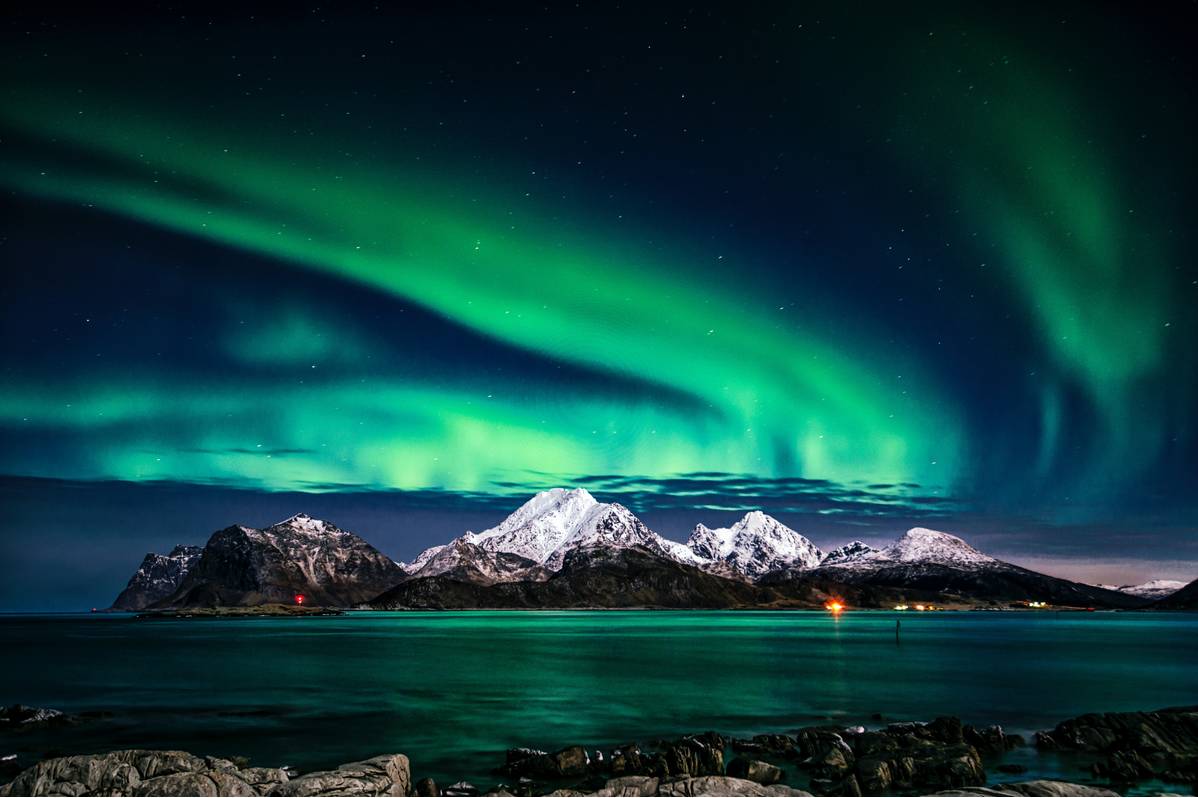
(943, 757)
(1035, 788)
(906, 757)
(724, 785)
(1133, 746)
(141, 772)
(383, 775)
(903, 757)
(756, 770)
(696, 755)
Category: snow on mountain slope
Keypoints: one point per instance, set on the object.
(921, 545)
(317, 548)
(1154, 589)
(243, 566)
(849, 553)
(754, 546)
(552, 523)
(917, 546)
(468, 562)
(158, 577)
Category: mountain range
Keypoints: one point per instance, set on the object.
(1154, 589)
(563, 548)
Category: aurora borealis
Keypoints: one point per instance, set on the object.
(851, 270)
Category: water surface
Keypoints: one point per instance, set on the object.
(454, 689)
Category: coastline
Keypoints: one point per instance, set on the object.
(1114, 753)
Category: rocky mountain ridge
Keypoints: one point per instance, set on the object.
(158, 576)
(301, 556)
(544, 529)
(565, 548)
(754, 546)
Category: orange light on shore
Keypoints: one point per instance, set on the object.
(834, 606)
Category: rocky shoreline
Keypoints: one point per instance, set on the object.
(941, 757)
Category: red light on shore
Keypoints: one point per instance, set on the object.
(834, 606)
(299, 598)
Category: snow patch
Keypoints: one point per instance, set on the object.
(754, 546)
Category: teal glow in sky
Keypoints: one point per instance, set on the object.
(950, 269)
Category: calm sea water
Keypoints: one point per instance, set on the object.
(453, 690)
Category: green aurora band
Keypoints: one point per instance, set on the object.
(746, 390)
(1085, 245)
(766, 399)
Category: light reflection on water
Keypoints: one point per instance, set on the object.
(453, 690)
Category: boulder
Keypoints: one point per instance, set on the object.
(845, 786)
(572, 761)
(165, 763)
(755, 770)
(427, 787)
(946, 730)
(1133, 746)
(142, 772)
(724, 785)
(212, 782)
(825, 754)
(907, 757)
(775, 744)
(264, 779)
(991, 740)
(382, 775)
(520, 754)
(122, 778)
(628, 760)
(461, 788)
(698, 755)
(1043, 787)
(1035, 788)
(569, 762)
(119, 772)
(630, 786)
(874, 776)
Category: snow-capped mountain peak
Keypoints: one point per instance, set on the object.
(552, 523)
(921, 545)
(157, 577)
(542, 525)
(755, 545)
(304, 523)
(1153, 589)
(857, 551)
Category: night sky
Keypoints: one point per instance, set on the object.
(861, 268)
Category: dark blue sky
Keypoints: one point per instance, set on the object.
(403, 268)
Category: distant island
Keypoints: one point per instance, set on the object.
(564, 549)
